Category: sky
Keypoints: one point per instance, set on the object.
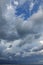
(21, 31)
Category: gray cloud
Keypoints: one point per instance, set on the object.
(19, 38)
(17, 27)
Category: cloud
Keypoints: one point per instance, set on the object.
(20, 38)
(17, 27)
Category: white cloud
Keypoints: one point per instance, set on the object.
(16, 3)
(31, 6)
(21, 2)
(41, 42)
(8, 12)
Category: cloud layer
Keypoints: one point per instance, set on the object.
(21, 38)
